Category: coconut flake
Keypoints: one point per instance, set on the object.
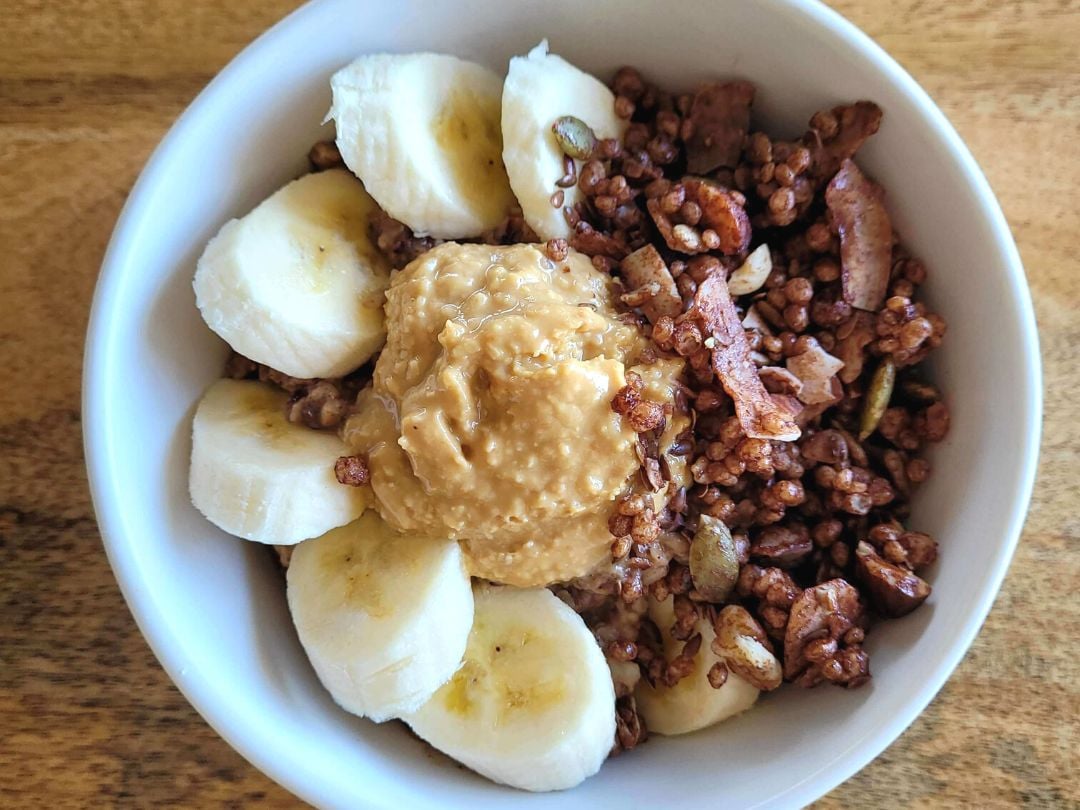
(857, 206)
(816, 369)
(758, 414)
(754, 320)
(790, 406)
(645, 267)
(779, 380)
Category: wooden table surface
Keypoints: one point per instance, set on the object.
(88, 718)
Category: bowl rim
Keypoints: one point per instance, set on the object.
(101, 464)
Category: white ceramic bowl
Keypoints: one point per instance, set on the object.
(213, 608)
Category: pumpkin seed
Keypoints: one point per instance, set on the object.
(574, 137)
(714, 562)
(877, 397)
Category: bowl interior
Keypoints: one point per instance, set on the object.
(213, 608)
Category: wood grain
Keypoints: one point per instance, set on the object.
(88, 718)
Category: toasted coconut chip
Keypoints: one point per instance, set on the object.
(856, 123)
(752, 273)
(640, 296)
(753, 320)
(722, 212)
(645, 267)
(720, 115)
(779, 380)
(857, 206)
(759, 416)
(815, 368)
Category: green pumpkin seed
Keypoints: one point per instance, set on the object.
(574, 137)
(714, 562)
(877, 398)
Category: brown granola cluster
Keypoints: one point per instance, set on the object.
(817, 519)
(322, 404)
(400, 245)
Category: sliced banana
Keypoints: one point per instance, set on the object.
(384, 617)
(422, 131)
(540, 88)
(260, 477)
(692, 703)
(297, 284)
(533, 705)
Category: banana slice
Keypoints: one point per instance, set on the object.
(533, 705)
(540, 88)
(384, 617)
(422, 131)
(297, 284)
(692, 703)
(256, 475)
